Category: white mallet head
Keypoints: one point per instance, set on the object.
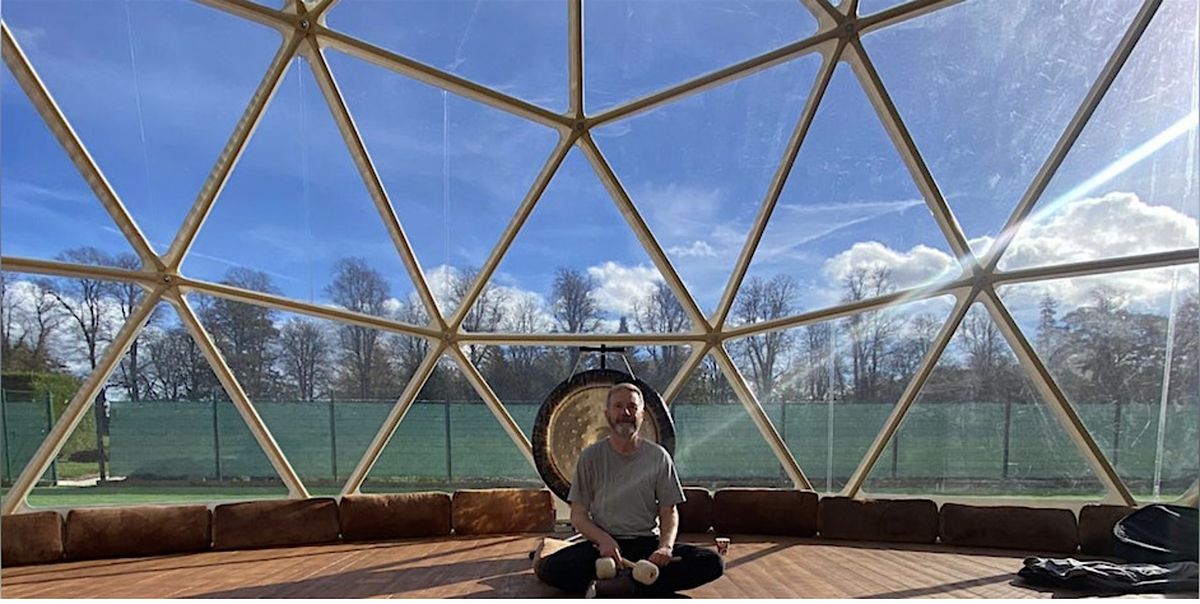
(645, 572)
(606, 568)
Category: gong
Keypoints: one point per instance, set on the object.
(572, 419)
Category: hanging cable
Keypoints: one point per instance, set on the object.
(137, 96)
(308, 249)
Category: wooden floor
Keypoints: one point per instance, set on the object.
(498, 566)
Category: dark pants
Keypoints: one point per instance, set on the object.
(573, 567)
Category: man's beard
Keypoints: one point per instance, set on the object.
(624, 429)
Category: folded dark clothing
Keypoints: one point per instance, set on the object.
(1111, 577)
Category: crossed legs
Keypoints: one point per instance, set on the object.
(573, 567)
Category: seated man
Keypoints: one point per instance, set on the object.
(623, 501)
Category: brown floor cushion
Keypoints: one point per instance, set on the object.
(395, 516)
(275, 523)
(490, 511)
(695, 514)
(1096, 524)
(1009, 527)
(143, 530)
(892, 520)
(31, 538)
(765, 512)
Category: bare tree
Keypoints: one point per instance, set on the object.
(485, 315)
(985, 348)
(358, 287)
(870, 332)
(86, 301)
(574, 300)
(761, 300)
(177, 368)
(245, 333)
(28, 322)
(303, 352)
(661, 312)
(128, 295)
(818, 351)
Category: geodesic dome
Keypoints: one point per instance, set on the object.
(934, 247)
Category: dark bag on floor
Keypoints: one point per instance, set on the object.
(1111, 577)
(1158, 534)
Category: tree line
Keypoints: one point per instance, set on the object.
(1100, 352)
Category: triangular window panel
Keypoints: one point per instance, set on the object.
(171, 97)
(717, 443)
(832, 237)
(987, 88)
(169, 432)
(635, 47)
(1106, 341)
(979, 428)
(1128, 185)
(450, 440)
(296, 214)
(455, 170)
(49, 211)
(314, 382)
(578, 258)
(834, 383)
(515, 46)
(698, 169)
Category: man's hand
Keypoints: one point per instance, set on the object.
(661, 556)
(609, 549)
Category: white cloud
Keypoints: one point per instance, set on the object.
(698, 249)
(1115, 224)
(621, 286)
(912, 268)
(680, 213)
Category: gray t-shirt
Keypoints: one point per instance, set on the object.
(624, 492)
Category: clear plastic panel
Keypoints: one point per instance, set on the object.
(577, 259)
(449, 439)
(455, 170)
(518, 47)
(145, 87)
(1106, 341)
(42, 187)
(698, 169)
(834, 383)
(1128, 185)
(717, 443)
(297, 214)
(314, 382)
(833, 237)
(635, 47)
(979, 428)
(169, 432)
(987, 88)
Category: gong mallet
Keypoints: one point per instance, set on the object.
(644, 571)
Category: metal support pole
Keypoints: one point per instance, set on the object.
(216, 440)
(449, 461)
(50, 426)
(4, 433)
(333, 439)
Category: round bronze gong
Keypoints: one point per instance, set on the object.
(572, 418)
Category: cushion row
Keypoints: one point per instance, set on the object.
(149, 530)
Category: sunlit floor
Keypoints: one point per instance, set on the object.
(498, 566)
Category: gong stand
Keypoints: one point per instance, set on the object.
(604, 351)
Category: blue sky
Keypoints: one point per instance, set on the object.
(985, 89)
